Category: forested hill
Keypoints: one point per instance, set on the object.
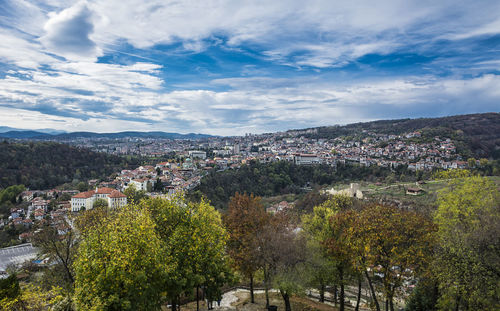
(43, 165)
(475, 134)
(268, 179)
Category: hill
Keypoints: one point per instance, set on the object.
(43, 165)
(475, 135)
(27, 134)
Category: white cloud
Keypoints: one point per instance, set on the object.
(245, 108)
(68, 33)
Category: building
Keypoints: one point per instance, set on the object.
(198, 154)
(86, 199)
(414, 191)
(305, 159)
(141, 184)
(353, 191)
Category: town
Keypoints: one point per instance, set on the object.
(190, 160)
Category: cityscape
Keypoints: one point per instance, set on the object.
(249, 155)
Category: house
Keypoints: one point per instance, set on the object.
(414, 191)
(141, 184)
(39, 214)
(39, 203)
(86, 199)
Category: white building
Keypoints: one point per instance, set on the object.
(305, 159)
(198, 154)
(141, 184)
(86, 199)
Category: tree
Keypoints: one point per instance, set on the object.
(61, 249)
(329, 234)
(11, 193)
(400, 242)
(32, 297)
(471, 162)
(121, 264)
(82, 186)
(319, 268)
(134, 195)
(468, 261)
(149, 186)
(100, 203)
(194, 238)
(9, 288)
(282, 258)
(245, 218)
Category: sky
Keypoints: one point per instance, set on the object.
(235, 67)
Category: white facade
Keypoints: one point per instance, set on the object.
(305, 159)
(198, 154)
(87, 199)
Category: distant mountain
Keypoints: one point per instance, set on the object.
(133, 134)
(5, 129)
(28, 134)
(25, 135)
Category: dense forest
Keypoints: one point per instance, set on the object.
(268, 179)
(475, 134)
(42, 165)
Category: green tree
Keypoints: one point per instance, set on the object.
(330, 235)
(9, 288)
(100, 203)
(134, 195)
(194, 238)
(82, 186)
(468, 261)
(121, 264)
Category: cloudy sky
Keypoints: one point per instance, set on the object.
(234, 67)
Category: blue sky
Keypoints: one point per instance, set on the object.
(235, 67)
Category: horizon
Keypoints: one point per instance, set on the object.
(48, 130)
(83, 66)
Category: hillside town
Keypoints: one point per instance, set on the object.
(374, 149)
(190, 160)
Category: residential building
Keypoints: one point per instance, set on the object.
(86, 199)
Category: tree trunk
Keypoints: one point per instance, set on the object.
(335, 295)
(252, 300)
(322, 293)
(197, 298)
(457, 304)
(342, 296)
(174, 304)
(358, 300)
(391, 302)
(386, 304)
(374, 295)
(286, 298)
(266, 286)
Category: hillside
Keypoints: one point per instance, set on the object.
(270, 179)
(475, 135)
(42, 165)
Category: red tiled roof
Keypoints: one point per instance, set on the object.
(105, 190)
(84, 195)
(116, 194)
